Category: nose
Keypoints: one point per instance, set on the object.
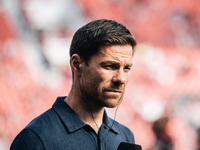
(120, 77)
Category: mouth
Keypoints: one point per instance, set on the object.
(113, 91)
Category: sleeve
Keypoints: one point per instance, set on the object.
(27, 140)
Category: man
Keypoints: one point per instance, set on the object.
(101, 57)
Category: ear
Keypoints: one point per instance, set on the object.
(75, 63)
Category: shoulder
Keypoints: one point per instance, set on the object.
(32, 136)
(43, 121)
(27, 140)
(124, 131)
(45, 124)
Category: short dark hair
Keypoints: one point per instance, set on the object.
(91, 37)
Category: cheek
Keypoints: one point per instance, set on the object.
(106, 80)
(127, 79)
(94, 79)
(101, 80)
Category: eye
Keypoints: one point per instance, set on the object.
(110, 66)
(127, 69)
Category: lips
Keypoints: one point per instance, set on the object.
(113, 91)
(113, 94)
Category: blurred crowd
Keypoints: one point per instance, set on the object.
(162, 100)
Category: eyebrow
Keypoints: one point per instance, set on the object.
(115, 62)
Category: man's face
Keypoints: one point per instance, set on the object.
(106, 75)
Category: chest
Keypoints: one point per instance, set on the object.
(84, 139)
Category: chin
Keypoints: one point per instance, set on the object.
(111, 106)
(112, 103)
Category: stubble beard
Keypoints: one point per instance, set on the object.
(98, 99)
(110, 101)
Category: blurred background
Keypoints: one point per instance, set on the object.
(162, 101)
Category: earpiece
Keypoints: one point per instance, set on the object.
(77, 67)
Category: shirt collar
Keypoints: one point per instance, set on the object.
(67, 115)
(71, 119)
(110, 123)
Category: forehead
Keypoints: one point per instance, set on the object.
(115, 53)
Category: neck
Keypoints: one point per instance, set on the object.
(85, 110)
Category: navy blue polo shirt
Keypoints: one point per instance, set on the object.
(60, 128)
